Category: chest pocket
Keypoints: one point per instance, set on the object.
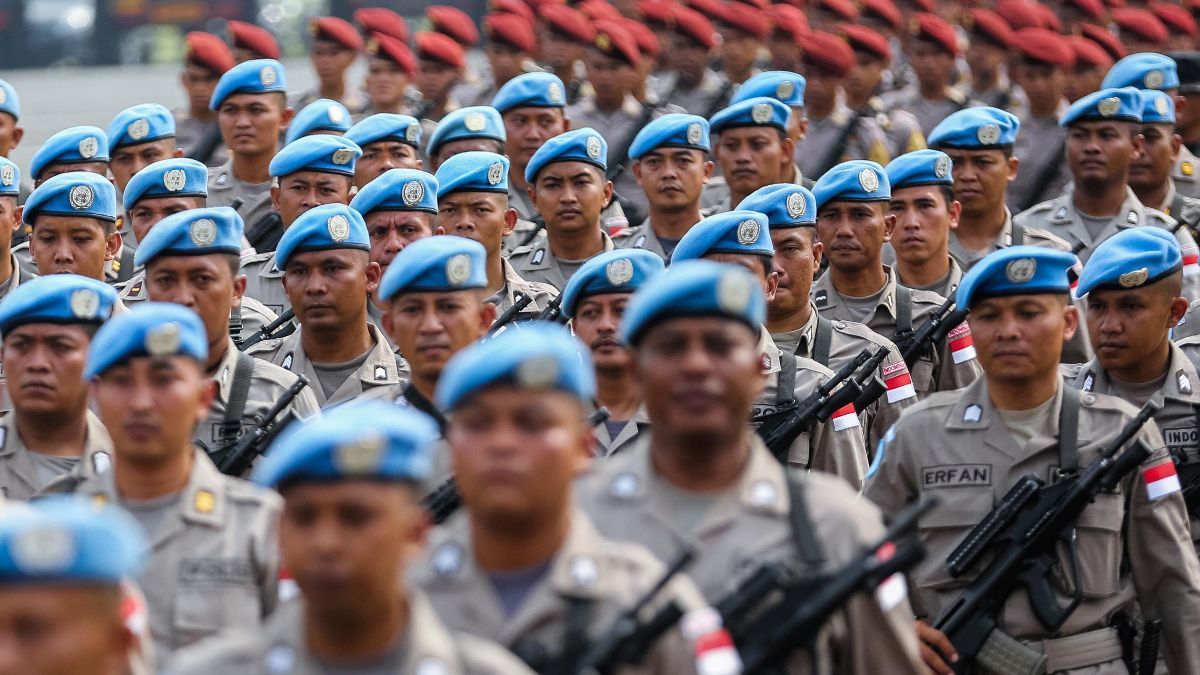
(215, 594)
(945, 527)
(1099, 547)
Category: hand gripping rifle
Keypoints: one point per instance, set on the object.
(237, 458)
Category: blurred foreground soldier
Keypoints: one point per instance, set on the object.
(468, 129)
(1045, 65)
(702, 476)
(1150, 170)
(207, 59)
(754, 149)
(355, 615)
(524, 566)
(322, 116)
(72, 217)
(191, 260)
(388, 141)
(49, 433)
(864, 82)
(249, 41)
(933, 47)
(214, 561)
(62, 610)
(391, 67)
(335, 47)
(970, 446)
(926, 212)
(594, 300)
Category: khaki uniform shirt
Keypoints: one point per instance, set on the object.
(609, 576)
(214, 563)
(18, 476)
(253, 315)
(536, 262)
(635, 428)
(749, 525)
(264, 281)
(1185, 173)
(19, 275)
(1029, 236)
(945, 287)
(279, 648)
(382, 366)
(514, 283)
(1041, 145)
(818, 150)
(957, 447)
(224, 188)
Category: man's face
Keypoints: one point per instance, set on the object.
(151, 405)
(1043, 84)
(981, 178)
(506, 61)
(69, 244)
(853, 234)
(688, 57)
(328, 289)
(298, 192)
(434, 79)
(391, 231)
(821, 86)
(673, 178)
(382, 156)
(527, 129)
(251, 123)
(570, 196)
(130, 159)
(1127, 327)
(864, 75)
(205, 284)
(52, 170)
(331, 60)
(931, 63)
(482, 216)
(597, 320)
(429, 328)
(61, 629)
(609, 77)
(1020, 337)
(10, 133)
(386, 83)
(797, 255)
(923, 223)
(515, 453)
(1151, 167)
(451, 148)
(198, 84)
(752, 157)
(1099, 153)
(146, 212)
(738, 49)
(1085, 78)
(785, 52)
(984, 57)
(559, 52)
(44, 366)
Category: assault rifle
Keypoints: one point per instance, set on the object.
(521, 301)
(944, 319)
(280, 327)
(236, 458)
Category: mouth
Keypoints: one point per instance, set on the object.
(568, 213)
(431, 349)
(140, 430)
(744, 173)
(605, 343)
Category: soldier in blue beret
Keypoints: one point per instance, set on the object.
(11, 132)
(473, 202)
(139, 136)
(11, 270)
(149, 387)
(476, 127)
(1021, 315)
(165, 187)
(65, 567)
(368, 458)
(533, 108)
(325, 268)
(1150, 171)
(250, 100)
(322, 116)
(788, 88)
(753, 149)
(926, 212)
(399, 207)
(1144, 70)
(388, 141)
(74, 149)
(73, 221)
(49, 435)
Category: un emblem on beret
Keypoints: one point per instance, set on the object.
(1134, 279)
(343, 156)
(554, 92)
(413, 191)
(1109, 106)
(695, 133)
(761, 113)
(593, 147)
(203, 232)
(1020, 270)
(868, 180)
(138, 129)
(458, 269)
(412, 133)
(335, 114)
(475, 121)
(538, 372)
(733, 293)
(747, 231)
(163, 340)
(785, 90)
(619, 272)
(88, 147)
(43, 550)
(988, 134)
(359, 457)
(267, 76)
(495, 173)
(796, 205)
(85, 303)
(174, 180)
(339, 228)
(941, 168)
(7, 175)
(81, 197)
(1160, 105)
(1154, 79)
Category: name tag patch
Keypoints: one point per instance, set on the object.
(956, 475)
(1181, 438)
(216, 571)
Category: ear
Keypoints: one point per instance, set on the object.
(20, 218)
(17, 134)
(487, 316)
(709, 167)
(1070, 322)
(772, 284)
(889, 225)
(1139, 142)
(803, 130)
(818, 252)
(789, 152)
(286, 118)
(608, 191)
(1179, 307)
(566, 123)
(374, 273)
(275, 197)
(178, 153)
(637, 173)
(1176, 143)
(207, 394)
(510, 221)
(239, 289)
(955, 213)
(1014, 165)
(112, 246)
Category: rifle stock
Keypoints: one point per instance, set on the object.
(272, 330)
(944, 319)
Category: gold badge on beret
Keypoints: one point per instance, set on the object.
(785, 90)
(81, 197)
(339, 228)
(538, 372)
(988, 134)
(342, 156)
(163, 340)
(1020, 270)
(761, 113)
(619, 272)
(1109, 106)
(174, 180)
(361, 456)
(475, 121)
(1154, 79)
(603, 42)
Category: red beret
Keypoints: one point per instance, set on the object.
(1021, 14)
(885, 10)
(935, 29)
(789, 20)
(1110, 43)
(863, 39)
(1088, 53)
(569, 22)
(388, 47)
(1174, 17)
(709, 8)
(693, 24)
(1094, 9)
(381, 20)
(439, 47)
(758, 4)
(844, 9)
(454, 22)
(1044, 46)
(1115, 3)
(336, 30)
(1049, 18)
(538, 5)
(598, 9)
(924, 5)
(1139, 22)
(510, 29)
(988, 25)
(746, 19)
(645, 38)
(518, 7)
(615, 42)
(657, 12)
(253, 38)
(828, 52)
(208, 51)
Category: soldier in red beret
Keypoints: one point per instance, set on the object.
(990, 43)
(391, 67)
(381, 20)
(865, 81)
(743, 30)
(789, 26)
(932, 49)
(453, 22)
(827, 14)
(249, 41)
(565, 32)
(1091, 63)
(196, 132)
(510, 46)
(1046, 62)
(1140, 30)
(1181, 26)
(440, 66)
(691, 83)
(335, 47)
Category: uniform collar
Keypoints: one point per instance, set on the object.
(429, 641)
(542, 258)
(1182, 382)
(768, 352)
(379, 369)
(826, 296)
(223, 373)
(1131, 213)
(974, 411)
(202, 501)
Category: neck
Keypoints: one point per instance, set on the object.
(609, 105)
(926, 272)
(1147, 369)
(858, 284)
(1155, 197)
(252, 168)
(579, 245)
(741, 75)
(506, 549)
(1105, 201)
(333, 91)
(858, 101)
(495, 273)
(216, 352)
(1023, 394)
(1190, 134)
(370, 632)
(516, 179)
(138, 480)
(932, 90)
(617, 391)
(820, 108)
(202, 113)
(337, 344)
(675, 224)
(396, 106)
(59, 434)
(6, 266)
(978, 232)
(787, 321)
(713, 466)
(425, 384)
(1049, 109)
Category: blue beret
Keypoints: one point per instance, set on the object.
(1131, 258)
(1145, 70)
(386, 127)
(323, 152)
(436, 264)
(920, 167)
(256, 76)
(1157, 107)
(174, 177)
(541, 355)
(858, 180)
(787, 87)
(10, 177)
(361, 439)
(193, 232)
(477, 121)
(784, 204)
(77, 194)
(57, 298)
(695, 288)
(577, 145)
(323, 227)
(1119, 105)
(321, 115)
(474, 171)
(154, 329)
(70, 146)
(1016, 270)
(69, 539)
(621, 270)
(730, 232)
(142, 123)
(982, 128)
(753, 112)
(530, 90)
(9, 101)
(674, 130)
(398, 190)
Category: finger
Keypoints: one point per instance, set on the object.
(934, 661)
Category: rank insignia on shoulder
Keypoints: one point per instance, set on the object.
(641, 242)
(763, 494)
(1186, 168)
(380, 373)
(101, 462)
(279, 659)
(447, 559)
(1061, 213)
(1184, 382)
(287, 362)
(3, 437)
(538, 255)
(204, 501)
(1131, 217)
(583, 571)
(1088, 382)
(624, 486)
(821, 298)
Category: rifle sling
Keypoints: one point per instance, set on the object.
(807, 544)
(417, 400)
(239, 392)
(1017, 236)
(1068, 430)
(822, 341)
(904, 324)
(785, 388)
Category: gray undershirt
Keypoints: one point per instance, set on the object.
(332, 375)
(668, 245)
(614, 427)
(388, 663)
(514, 587)
(1137, 393)
(1094, 224)
(1025, 424)
(861, 309)
(569, 267)
(48, 467)
(152, 513)
(684, 507)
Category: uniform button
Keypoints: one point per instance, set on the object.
(583, 571)
(763, 493)
(839, 325)
(1088, 399)
(279, 659)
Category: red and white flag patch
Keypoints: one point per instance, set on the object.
(962, 347)
(1161, 480)
(898, 382)
(845, 418)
